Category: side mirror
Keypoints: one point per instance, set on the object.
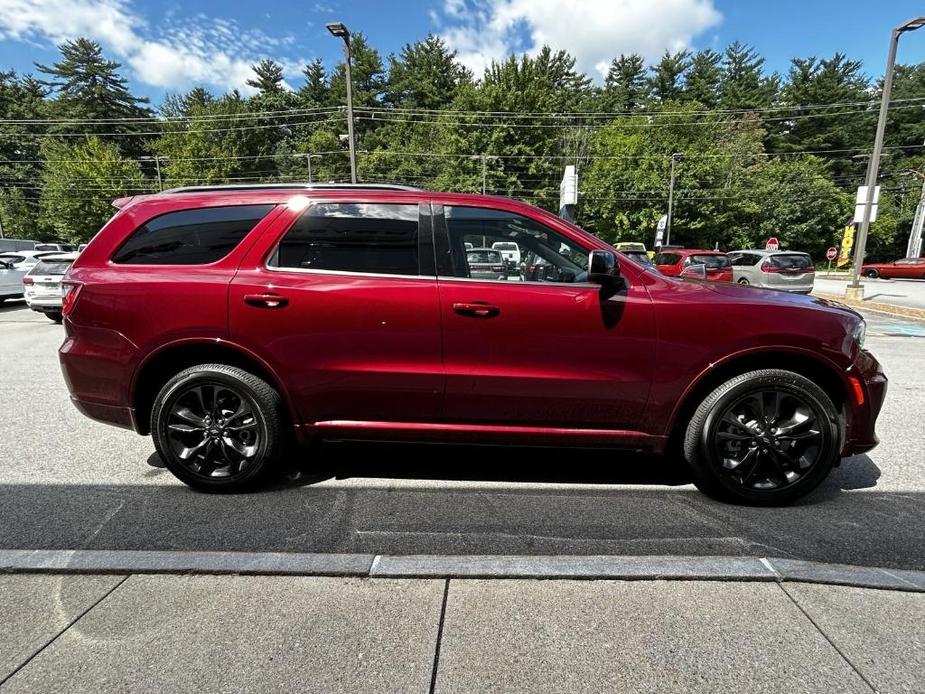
(603, 269)
(697, 271)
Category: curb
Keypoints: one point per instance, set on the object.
(685, 568)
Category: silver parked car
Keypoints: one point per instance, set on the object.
(790, 271)
(43, 284)
(13, 267)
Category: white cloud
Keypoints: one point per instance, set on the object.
(197, 50)
(594, 31)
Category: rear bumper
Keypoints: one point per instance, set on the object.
(97, 365)
(861, 435)
(44, 303)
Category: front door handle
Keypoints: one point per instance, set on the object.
(266, 300)
(476, 309)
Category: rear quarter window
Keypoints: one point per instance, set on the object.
(190, 237)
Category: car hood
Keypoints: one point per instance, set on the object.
(777, 297)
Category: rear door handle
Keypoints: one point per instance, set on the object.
(266, 300)
(476, 309)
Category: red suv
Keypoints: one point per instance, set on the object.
(223, 321)
(716, 266)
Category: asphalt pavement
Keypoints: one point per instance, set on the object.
(69, 483)
(908, 293)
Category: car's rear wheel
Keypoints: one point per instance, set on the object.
(217, 427)
(873, 274)
(55, 316)
(744, 281)
(765, 437)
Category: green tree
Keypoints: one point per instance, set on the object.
(744, 84)
(703, 78)
(87, 86)
(625, 85)
(80, 181)
(268, 77)
(315, 91)
(665, 82)
(425, 75)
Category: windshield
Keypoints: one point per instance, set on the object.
(713, 262)
(51, 267)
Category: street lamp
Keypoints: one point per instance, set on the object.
(873, 167)
(339, 30)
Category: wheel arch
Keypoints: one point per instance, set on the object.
(160, 366)
(818, 369)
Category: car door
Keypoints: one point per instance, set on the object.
(541, 348)
(341, 302)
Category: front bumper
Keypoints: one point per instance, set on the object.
(860, 434)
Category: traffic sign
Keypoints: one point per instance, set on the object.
(772, 244)
(832, 253)
(860, 204)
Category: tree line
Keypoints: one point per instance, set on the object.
(757, 154)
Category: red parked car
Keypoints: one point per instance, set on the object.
(905, 268)
(674, 262)
(224, 321)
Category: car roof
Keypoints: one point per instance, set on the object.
(29, 253)
(69, 257)
(762, 251)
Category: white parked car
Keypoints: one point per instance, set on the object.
(510, 251)
(42, 284)
(13, 268)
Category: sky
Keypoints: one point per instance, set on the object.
(169, 47)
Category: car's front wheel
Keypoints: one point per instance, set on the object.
(873, 274)
(217, 427)
(765, 437)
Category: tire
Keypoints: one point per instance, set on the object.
(736, 456)
(231, 453)
(55, 317)
(873, 274)
(744, 281)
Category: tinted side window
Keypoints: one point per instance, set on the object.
(353, 237)
(537, 253)
(667, 258)
(190, 237)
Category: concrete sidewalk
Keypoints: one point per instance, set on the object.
(207, 633)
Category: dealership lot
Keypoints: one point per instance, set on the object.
(69, 483)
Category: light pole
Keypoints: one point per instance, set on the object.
(157, 165)
(339, 30)
(674, 158)
(854, 289)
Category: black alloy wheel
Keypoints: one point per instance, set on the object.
(764, 437)
(216, 427)
(873, 274)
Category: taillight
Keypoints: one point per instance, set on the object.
(28, 280)
(69, 298)
(811, 268)
(767, 267)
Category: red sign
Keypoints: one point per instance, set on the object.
(832, 253)
(772, 244)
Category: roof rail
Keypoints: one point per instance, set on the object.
(292, 186)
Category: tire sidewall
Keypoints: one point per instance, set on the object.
(825, 414)
(168, 397)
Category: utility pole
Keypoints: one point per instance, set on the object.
(339, 30)
(854, 289)
(674, 158)
(157, 166)
(914, 249)
(484, 172)
(308, 160)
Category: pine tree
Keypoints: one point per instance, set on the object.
(86, 85)
(269, 77)
(367, 74)
(625, 84)
(703, 78)
(425, 75)
(666, 79)
(315, 92)
(743, 84)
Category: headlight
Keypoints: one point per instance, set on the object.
(860, 330)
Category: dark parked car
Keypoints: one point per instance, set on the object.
(225, 321)
(905, 268)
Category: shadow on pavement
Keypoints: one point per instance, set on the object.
(539, 510)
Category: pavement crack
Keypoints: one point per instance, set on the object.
(433, 673)
(826, 637)
(66, 627)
